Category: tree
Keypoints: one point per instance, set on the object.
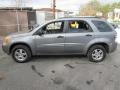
(87, 11)
(105, 9)
(90, 8)
(94, 6)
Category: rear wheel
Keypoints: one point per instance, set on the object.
(21, 53)
(96, 53)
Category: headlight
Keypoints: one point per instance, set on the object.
(6, 40)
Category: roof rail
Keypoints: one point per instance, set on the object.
(80, 17)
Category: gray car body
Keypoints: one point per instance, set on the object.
(72, 43)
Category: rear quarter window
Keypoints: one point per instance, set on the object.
(102, 26)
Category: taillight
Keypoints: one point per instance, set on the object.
(116, 35)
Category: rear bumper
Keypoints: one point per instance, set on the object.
(113, 47)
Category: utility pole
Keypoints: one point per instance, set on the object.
(17, 15)
(54, 8)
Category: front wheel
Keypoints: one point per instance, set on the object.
(21, 53)
(96, 53)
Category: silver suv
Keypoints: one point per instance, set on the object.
(90, 36)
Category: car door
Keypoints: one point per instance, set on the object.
(78, 36)
(52, 41)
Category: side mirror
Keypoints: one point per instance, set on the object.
(114, 26)
(41, 32)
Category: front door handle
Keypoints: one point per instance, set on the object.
(60, 37)
(88, 35)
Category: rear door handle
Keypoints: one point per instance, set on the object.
(88, 35)
(60, 37)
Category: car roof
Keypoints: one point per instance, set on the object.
(79, 18)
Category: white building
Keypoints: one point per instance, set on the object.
(110, 17)
(46, 14)
(114, 16)
(117, 14)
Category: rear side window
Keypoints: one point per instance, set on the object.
(79, 27)
(102, 26)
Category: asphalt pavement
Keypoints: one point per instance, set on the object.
(60, 73)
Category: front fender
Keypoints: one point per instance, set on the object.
(29, 41)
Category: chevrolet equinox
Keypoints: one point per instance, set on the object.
(93, 37)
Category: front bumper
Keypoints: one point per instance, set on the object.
(5, 48)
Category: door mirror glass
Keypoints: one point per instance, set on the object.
(114, 25)
(41, 32)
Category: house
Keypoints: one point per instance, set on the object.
(117, 14)
(110, 17)
(14, 19)
(114, 16)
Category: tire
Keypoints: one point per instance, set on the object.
(96, 57)
(21, 53)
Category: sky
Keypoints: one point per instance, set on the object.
(70, 5)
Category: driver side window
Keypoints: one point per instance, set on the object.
(54, 27)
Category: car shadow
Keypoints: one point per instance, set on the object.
(57, 57)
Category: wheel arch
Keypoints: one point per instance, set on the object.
(105, 45)
(20, 43)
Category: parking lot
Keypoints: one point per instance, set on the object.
(60, 73)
